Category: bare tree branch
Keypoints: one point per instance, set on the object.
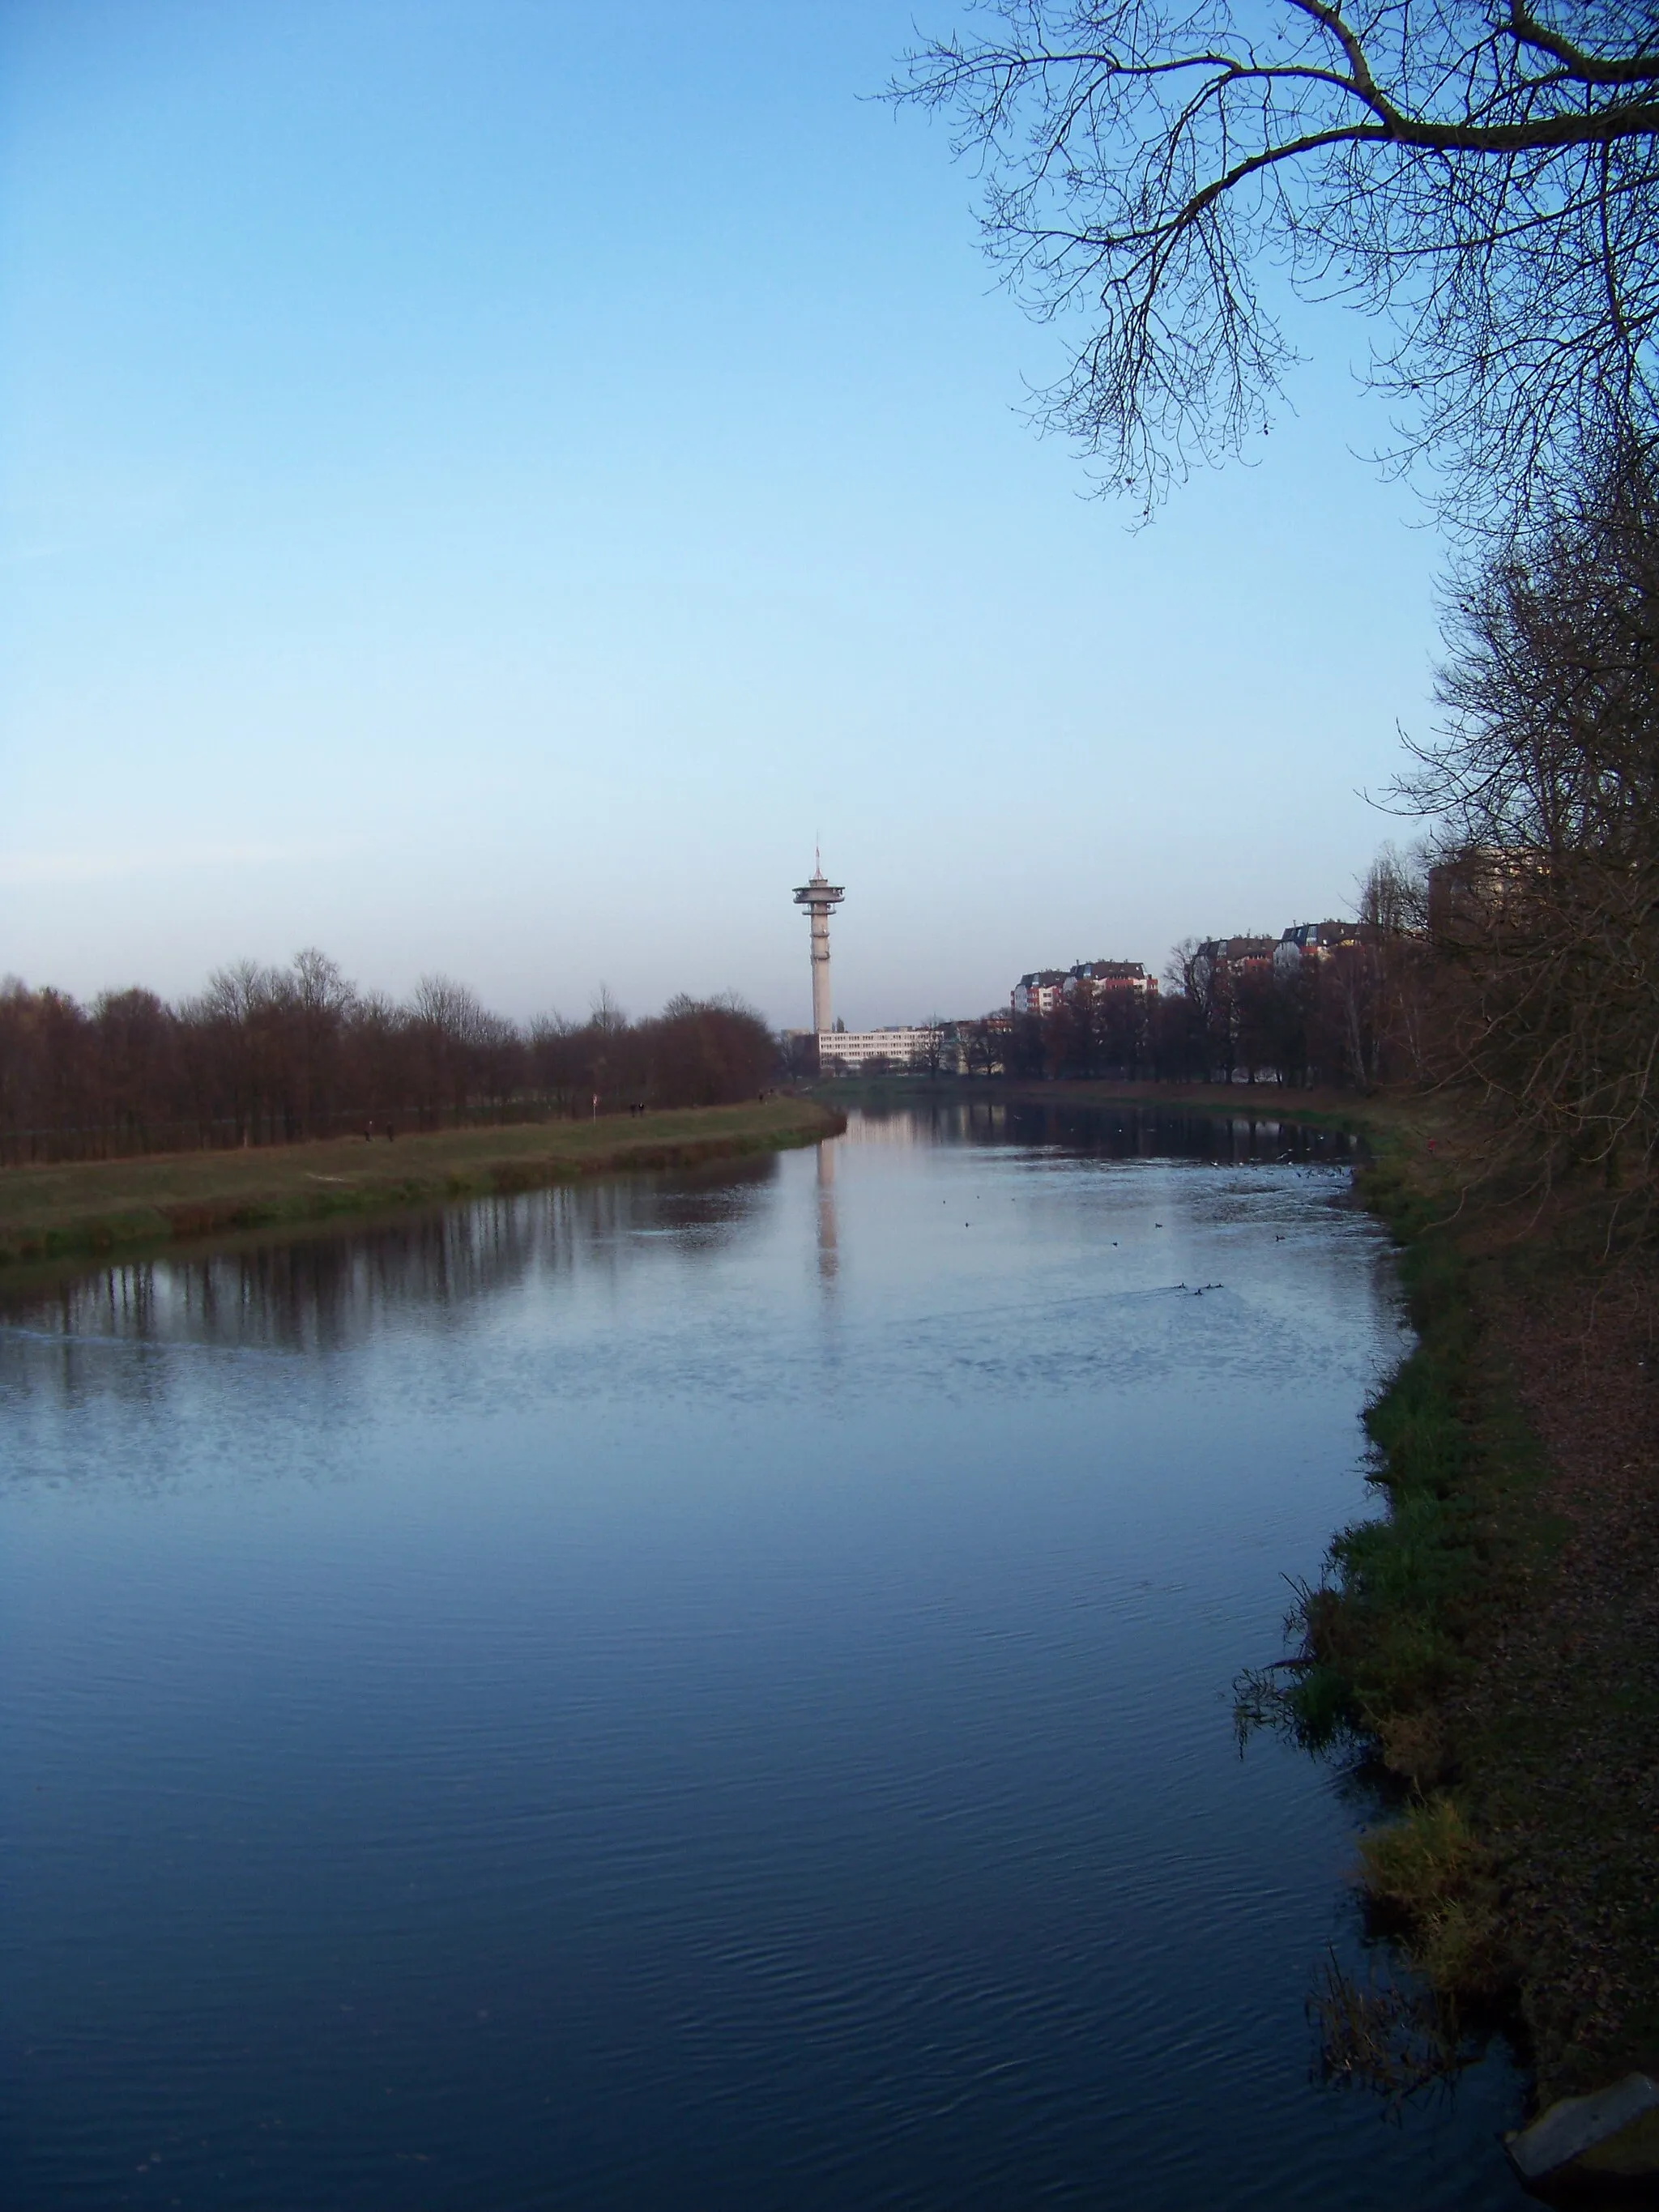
(1485, 184)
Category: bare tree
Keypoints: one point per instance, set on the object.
(704, 1052)
(454, 1031)
(319, 1002)
(984, 1044)
(1392, 949)
(230, 1048)
(138, 1051)
(608, 1019)
(1481, 175)
(1545, 902)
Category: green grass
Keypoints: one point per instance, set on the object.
(1386, 1637)
(87, 1209)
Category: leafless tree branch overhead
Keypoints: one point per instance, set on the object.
(1482, 180)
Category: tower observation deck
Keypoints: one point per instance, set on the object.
(820, 897)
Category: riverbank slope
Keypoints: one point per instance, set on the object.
(1495, 1635)
(1324, 1107)
(97, 1206)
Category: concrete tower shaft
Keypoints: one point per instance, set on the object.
(820, 898)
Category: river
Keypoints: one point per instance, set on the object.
(707, 1690)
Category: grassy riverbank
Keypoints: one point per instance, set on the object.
(1265, 1101)
(1495, 1633)
(1268, 1102)
(55, 1213)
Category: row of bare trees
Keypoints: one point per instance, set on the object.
(270, 1056)
(1544, 789)
(1356, 1015)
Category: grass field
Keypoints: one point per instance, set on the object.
(52, 1213)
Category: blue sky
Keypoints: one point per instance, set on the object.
(484, 482)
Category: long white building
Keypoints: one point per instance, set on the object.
(903, 1045)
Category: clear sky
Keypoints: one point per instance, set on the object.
(483, 484)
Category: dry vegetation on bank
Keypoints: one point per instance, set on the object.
(89, 1208)
(1494, 1637)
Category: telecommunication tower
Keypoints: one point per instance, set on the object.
(820, 897)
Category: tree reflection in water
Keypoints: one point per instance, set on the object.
(327, 1290)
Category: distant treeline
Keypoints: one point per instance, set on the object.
(269, 1056)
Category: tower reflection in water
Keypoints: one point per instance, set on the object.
(828, 1257)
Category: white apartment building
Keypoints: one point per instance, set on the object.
(1312, 940)
(1040, 992)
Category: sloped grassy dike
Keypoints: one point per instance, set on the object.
(1489, 1639)
(74, 1212)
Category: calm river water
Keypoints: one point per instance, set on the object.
(699, 1692)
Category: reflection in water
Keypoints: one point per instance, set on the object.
(703, 1690)
(826, 1184)
(1115, 1133)
(325, 1292)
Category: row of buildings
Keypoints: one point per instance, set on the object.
(1045, 990)
(940, 1048)
(1303, 941)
